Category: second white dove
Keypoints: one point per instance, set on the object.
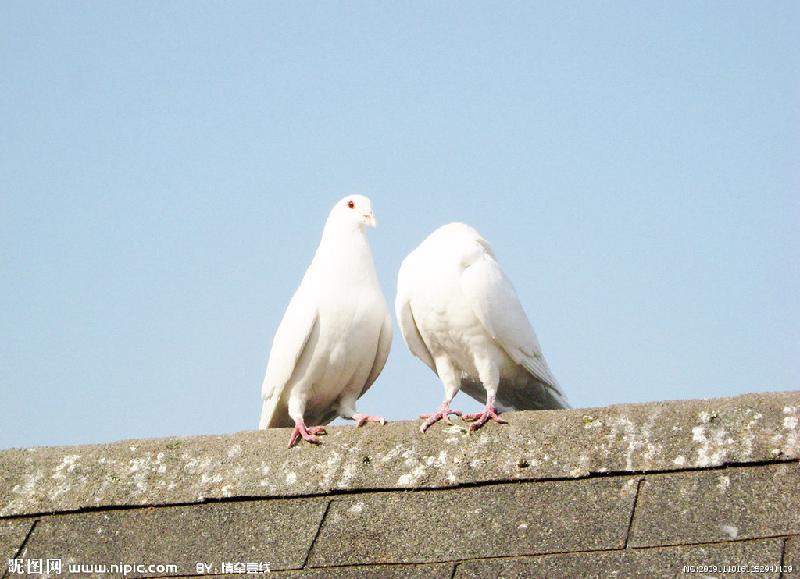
(459, 313)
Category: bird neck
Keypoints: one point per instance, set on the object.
(345, 248)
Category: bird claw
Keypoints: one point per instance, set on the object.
(307, 434)
(481, 418)
(362, 419)
(443, 413)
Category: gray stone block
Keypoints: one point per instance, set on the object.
(278, 532)
(488, 521)
(655, 562)
(437, 571)
(719, 505)
(12, 535)
(534, 446)
(792, 554)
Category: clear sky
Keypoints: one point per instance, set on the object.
(166, 169)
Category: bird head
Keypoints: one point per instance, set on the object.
(355, 209)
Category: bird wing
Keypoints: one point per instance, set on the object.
(382, 353)
(290, 341)
(495, 303)
(408, 326)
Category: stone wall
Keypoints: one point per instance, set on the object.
(641, 489)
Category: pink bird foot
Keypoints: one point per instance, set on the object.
(481, 418)
(362, 419)
(308, 434)
(443, 413)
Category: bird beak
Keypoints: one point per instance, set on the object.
(370, 218)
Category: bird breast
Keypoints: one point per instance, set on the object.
(349, 329)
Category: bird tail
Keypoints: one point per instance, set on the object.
(273, 415)
(536, 395)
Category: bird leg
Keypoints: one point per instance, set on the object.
(481, 418)
(443, 413)
(362, 419)
(308, 434)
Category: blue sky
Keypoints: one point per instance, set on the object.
(166, 168)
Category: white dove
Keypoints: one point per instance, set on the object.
(335, 335)
(459, 313)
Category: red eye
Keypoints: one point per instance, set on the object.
(350, 204)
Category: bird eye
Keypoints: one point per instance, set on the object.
(350, 204)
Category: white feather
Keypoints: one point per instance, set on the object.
(290, 340)
(408, 327)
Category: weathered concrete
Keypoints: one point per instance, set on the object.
(658, 562)
(722, 505)
(488, 521)
(278, 532)
(12, 534)
(535, 445)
